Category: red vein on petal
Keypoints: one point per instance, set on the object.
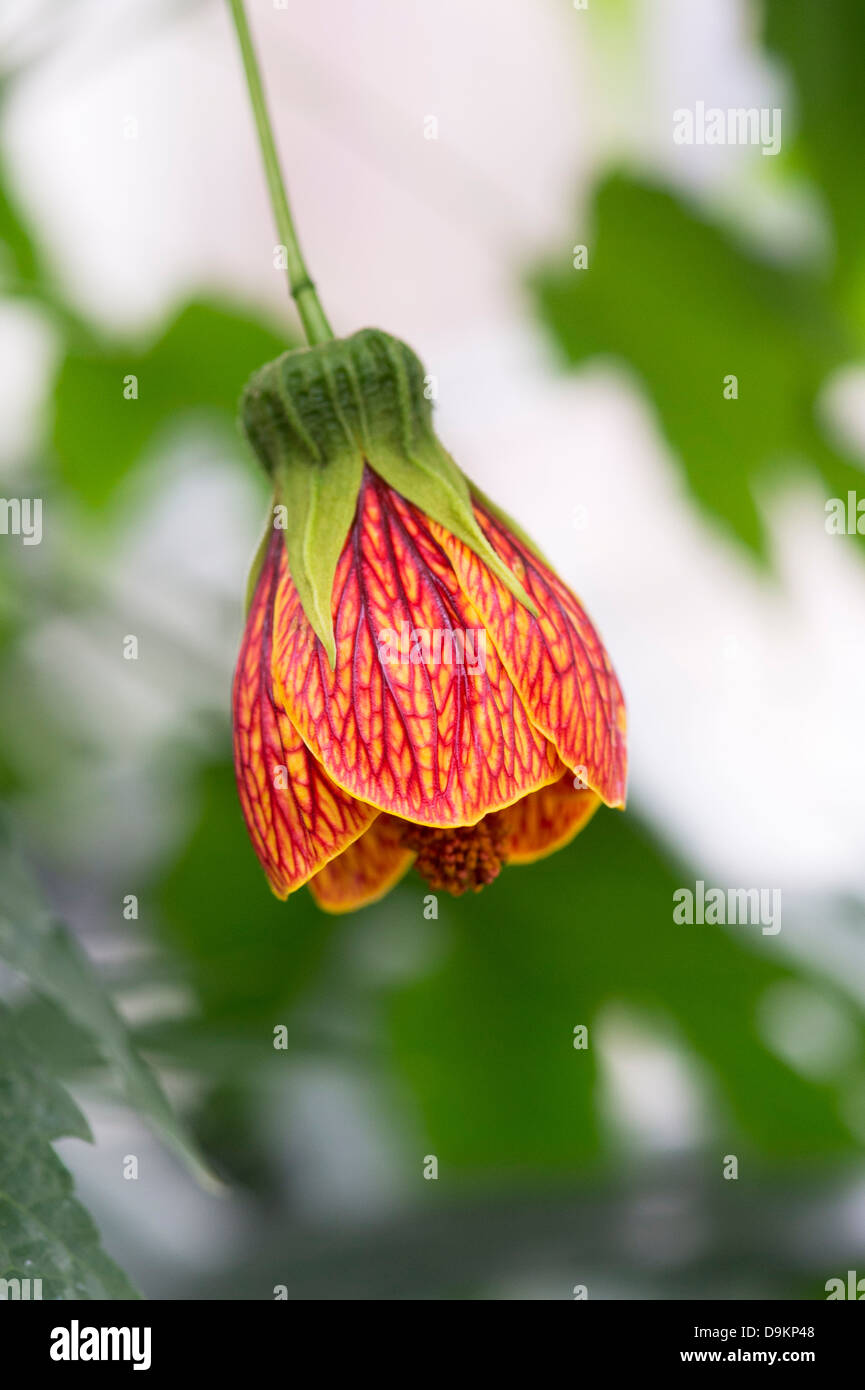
(556, 661)
(429, 742)
(296, 828)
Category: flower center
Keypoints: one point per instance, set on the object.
(455, 860)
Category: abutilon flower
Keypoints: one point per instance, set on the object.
(362, 744)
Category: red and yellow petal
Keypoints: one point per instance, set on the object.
(434, 741)
(546, 820)
(557, 660)
(297, 819)
(365, 871)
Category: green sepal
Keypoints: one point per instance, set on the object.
(314, 417)
(319, 507)
(257, 563)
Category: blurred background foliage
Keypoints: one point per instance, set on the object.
(451, 1037)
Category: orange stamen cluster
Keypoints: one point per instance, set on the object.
(456, 860)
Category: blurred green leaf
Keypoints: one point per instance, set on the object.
(43, 950)
(486, 1041)
(196, 368)
(248, 953)
(823, 46)
(18, 259)
(45, 1233)
(685, 305)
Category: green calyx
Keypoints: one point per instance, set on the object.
(314, 417)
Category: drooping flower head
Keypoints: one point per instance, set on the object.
(415, 684)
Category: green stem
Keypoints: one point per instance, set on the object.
(301, 288)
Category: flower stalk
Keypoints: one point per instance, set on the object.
(300, 284)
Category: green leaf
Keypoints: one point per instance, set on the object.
(823, 46)
(18, 258)
(45, 1233)
(195, 369)
(249, 954)
(49, 956)
(481, 1042)
(485, 1042)
(685, 306)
